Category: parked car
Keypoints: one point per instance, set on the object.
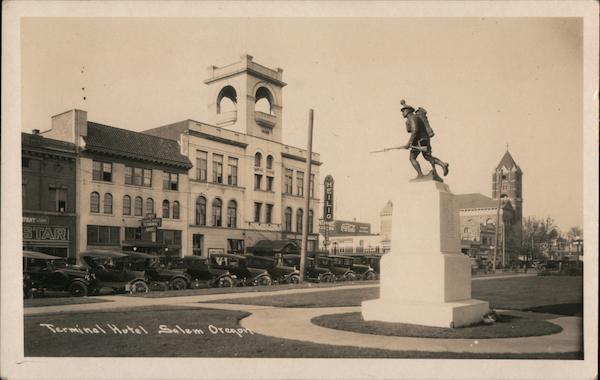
(371, 260)
(364, 271)
(43, 272)
(202, 272)
(341, 267)
(277, 269)
(313, 271)
(238, 266)
(162, 272)
(116, 270)
(272, 247)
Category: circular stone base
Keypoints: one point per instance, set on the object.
(507, 326)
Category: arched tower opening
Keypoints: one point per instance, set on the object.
(264, 100)
(226, 100)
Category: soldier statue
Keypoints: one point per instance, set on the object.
(419, 142)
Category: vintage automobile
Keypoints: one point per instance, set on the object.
(371, 260)
(238, 266)
(201, 272)
(275, 266)
(340, 266)
(116, 270)
(43, 272)
(312, 272)
(161, 273)
(364, 272)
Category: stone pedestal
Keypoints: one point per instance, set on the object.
(425, 279)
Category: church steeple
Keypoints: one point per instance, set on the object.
(507, 180)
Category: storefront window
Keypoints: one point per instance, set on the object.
(106, 235)
(235, 246)
(197, 244)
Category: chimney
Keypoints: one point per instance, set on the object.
(68, 126)
(36, 132)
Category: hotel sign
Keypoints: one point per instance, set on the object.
(328, 197)
(150, 223)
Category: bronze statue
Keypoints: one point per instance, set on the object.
(419, 142)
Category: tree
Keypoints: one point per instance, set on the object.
(575, 233)
(538, 235)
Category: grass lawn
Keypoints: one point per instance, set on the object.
(507, 326)
(550, 294)
(41, 341)
(51, 301)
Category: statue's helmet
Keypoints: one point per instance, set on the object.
(405, 106)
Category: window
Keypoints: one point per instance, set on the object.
(138, 176)
(94, 202)
(166, 208)
(217, 168)
(30, 163)
(170, 237)
(175, 210)
(235, 246)
(126, 205)
(269, 214)
(232, 214)
(270, 183)
(312, 186)
(299, 215)
(233, 171)
(216, 212)
(257, 160)
(102, 171)
(57, 199)
(299, 183)
(257, 207)
(107, 203)
(289, 177)
(201, 166)
(201, 211)
(170, 181)
(137, 233)
(269, 162)
(197, 244)
(106, 235)
(257, 181)
(310, 221)
(466, 230)
(137, 206)
(149, 206)
(288, 219)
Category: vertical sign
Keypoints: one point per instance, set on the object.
(328, 197)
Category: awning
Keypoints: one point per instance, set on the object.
(39, 255)
(102, 253)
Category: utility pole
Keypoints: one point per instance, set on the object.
(306, 196)
(499, 195)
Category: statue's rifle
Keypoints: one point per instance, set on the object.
(421, 148)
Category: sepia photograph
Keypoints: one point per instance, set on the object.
(298, 190)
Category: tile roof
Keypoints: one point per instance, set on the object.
(474, 200)
(134, 145)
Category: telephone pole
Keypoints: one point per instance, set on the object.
(304, 245)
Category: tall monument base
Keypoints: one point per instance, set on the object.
(425, 279)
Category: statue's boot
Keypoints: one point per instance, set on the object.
(446, 167)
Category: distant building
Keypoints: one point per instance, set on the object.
(478, 214)
(48, 195)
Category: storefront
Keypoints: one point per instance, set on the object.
(51, 234)
(312, 244)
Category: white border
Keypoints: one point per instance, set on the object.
(12, 363)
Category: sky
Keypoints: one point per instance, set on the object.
(485, 82)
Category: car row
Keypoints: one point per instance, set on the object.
(137, 272)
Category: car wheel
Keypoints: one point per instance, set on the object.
(264, 281)
(350, 276)
(78, 289)
(178, 284)
(327, 278)
(370, 276)
(139, 287)
(294, 279)
(225, 282)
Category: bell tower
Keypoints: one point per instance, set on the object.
(246, 97)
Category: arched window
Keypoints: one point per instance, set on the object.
(232, 214)
(257, 160)
(310, 221)
(137, 206)
(175, 210)
(149, 206)
(288, 219)
(299, 215)
(126, 205)
(94, 202)
(107, 203)
(466, 230)
(489, 221)
(226, 100)
(216, 212)
(264, 100)
(269, 162)
(201, 211)
(166, 206)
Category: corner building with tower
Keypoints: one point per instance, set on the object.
(245, 184)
